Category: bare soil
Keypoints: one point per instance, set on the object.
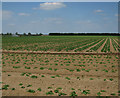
(82, 80)
(57, 53)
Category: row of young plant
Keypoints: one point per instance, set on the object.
(46, 43)
(64, 63)
(98, 45)
(81, 44)
(58, 91)
(87, 46)
(30, 43)
(106, 47)
(115, 46)
(62, 46)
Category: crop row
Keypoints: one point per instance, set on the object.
(81, 44)
(85, 47)
(98, 45)
(106, 47)
(54, 43)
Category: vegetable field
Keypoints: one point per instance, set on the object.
(62, 44)
(60, 75)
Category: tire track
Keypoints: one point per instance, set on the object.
(59, 53)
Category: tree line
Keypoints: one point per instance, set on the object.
(24, 34)
(87, 34)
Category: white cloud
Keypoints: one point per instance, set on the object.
(87, 26)
(84, 22)
(98, 11)
(106, 18)
(34, 8)
(117, 15)
(11, 24)
(0, 15)
(23, 14)
(53, 20)
(34, 22)
(51, 6)
(6, 14)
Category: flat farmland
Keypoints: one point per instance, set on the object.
(77, 44)
(60, 75)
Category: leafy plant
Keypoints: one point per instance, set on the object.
(49, 93)
(67, 78)
(5, 87)
(31, 91)
(73, 94)
(33, 76)
(39, 89)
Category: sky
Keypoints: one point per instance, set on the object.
(47, 17)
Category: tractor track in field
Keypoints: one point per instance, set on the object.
(62, 74)
(59, 53)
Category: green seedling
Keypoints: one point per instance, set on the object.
(13, 89)
(98, 93)
(113, 94)
(39, 89)
(61, 94)
(42, 76)
(49, 93)
(16, 66)
(91, 78)
(5, 87)
(111, 79)
(34, 76)
(23, 74)
(86, 92)
(59, 88)
(56, 91)
(103, 91)
(49, 87)
(67, 78)
(22, 87)
(78, 70)
(31, 91)
(73, 94)
(41, 68)
(29, 85)
(72, 89)
(20, 84)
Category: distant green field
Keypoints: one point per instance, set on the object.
(59, 43)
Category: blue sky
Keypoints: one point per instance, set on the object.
(44, 17)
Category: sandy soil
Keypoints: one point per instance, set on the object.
(66, 66)
(61, 53)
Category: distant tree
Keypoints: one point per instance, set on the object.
(7, 33)
(10, 33)
(16, 33)
(29, 34)
(24, 34)
(40, 34)
(37, 34)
